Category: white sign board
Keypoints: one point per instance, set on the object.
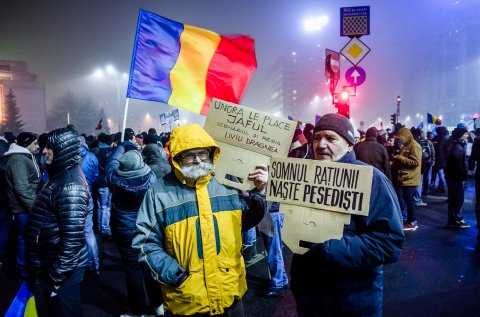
(246, 137)
(318, 184)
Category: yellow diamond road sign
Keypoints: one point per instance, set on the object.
(355, 51)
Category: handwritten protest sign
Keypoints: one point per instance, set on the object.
(320, 184)
(246, 137)
(303, 226)
(317, 198)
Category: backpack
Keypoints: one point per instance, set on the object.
(426, 151)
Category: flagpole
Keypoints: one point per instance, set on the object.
(124, 118)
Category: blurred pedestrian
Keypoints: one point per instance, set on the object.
(474, 165)
(373, 153)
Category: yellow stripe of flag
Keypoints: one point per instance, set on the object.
(197, 46)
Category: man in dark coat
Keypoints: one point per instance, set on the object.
(344, 277)
(55, 234)
(373, 153)
(455, 174)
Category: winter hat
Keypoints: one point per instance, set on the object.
(462, 125)
(139, 141)
(10, 137)
(458, 132)
(128, 135)
(25, 138)
(308, 132)
(371, 132)
(131, 161)
(337, 123)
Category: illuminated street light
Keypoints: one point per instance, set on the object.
(110, 73)
(314, 24)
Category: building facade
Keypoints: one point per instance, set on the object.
(29, 94)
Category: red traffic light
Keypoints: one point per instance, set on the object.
(475, 115)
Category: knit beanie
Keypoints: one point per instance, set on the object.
(131, 161)
(457, 133)
(462, 125)
(337, 123)
(371, 132)
(24, 139)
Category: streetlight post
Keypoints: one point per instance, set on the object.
(399, 100)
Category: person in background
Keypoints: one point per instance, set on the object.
(104, 196)
(89, 165)
(456, 174)
(154, 156)
(129, 178)
(440, 142)
(205, 273)
(344, 277)
(373, 153)
(23, 176)
(407, 164)
(474, 165)
(55, 234)
(5, 214)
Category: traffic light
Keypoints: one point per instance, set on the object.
(393, 119)
(343, 104)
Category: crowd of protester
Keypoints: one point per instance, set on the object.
(60, 192)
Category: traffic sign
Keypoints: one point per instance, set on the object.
(355, 51)
(355, 76)
(332, 64)
(355, 21)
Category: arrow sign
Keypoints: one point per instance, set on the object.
(355, 76)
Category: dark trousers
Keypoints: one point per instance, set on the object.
(141, 288)
(406, 198)
(456, 197)
(477, 197)
(5, 222)
(67, 302)
(236, 310)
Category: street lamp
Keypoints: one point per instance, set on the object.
(313, 24)
(399, 100)
(110, 73)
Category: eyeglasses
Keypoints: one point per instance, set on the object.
(189, 158)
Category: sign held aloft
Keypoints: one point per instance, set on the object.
(246, 137)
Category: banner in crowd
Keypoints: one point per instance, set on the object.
(317, 198)
(169, 116)
(246, 137)
(185, 66)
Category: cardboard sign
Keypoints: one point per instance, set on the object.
(303, 226)
(246, 137)
(322, 185)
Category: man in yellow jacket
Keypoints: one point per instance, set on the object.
(408, 165)
(189, 229)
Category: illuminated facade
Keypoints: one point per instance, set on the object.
(29, 93)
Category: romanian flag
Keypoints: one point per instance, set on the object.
(99, 125)
(186, 66)
(433, 119)
(23, 305)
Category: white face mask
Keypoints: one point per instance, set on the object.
(195, 171)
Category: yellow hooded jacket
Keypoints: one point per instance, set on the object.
(409, 160)
(189, 234)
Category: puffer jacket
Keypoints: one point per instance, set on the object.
(55, 237)
(189, 234)
(102, 154)
(89, 164)
(23, 176)
(409, 161)
(344, 277)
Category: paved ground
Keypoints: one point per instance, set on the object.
(437, 275)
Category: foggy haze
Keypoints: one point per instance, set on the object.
(63, 42)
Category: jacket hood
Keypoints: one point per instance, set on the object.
(66, 147)
(189, 137)
(15, 148)
(405, 135)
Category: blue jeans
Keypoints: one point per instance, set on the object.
(273, 245)
(418, 192)
(249, 237)
(104, 203)
(5, 221)
(91, 241)
(20, 220)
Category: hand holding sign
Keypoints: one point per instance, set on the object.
(259, 177)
